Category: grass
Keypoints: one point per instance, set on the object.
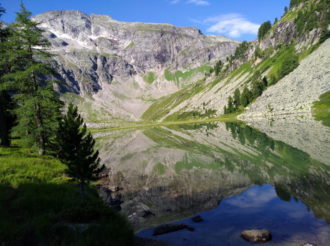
(321, 109)
(40, 205)
(244, 68)
(179, 75)
(159, 168)
(163, 106)
(150, 77)
(131, 45)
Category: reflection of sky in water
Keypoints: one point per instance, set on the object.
(258, 207)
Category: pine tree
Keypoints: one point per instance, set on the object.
(245, 97)
(257, 88)
(230, 107)
(38, 108)
(265, 82)
(6, 102)
(237, 98)
(76, 149)
(218, 67)
(263, 29)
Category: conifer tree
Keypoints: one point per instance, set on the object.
(38, 108)
(246, 97)
(237, 98)
(218, 67)
(76, 149)
(257, 88)
(263, 29)
(230, 107)
(6, 102)
(265, 82)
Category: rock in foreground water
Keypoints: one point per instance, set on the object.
(197, 219)
(256, 236)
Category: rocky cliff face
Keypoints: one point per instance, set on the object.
(296, 92)
(105, 61)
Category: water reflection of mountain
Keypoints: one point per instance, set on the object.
(179, 171)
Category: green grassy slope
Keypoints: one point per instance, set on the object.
(321, 109)
(39, 205)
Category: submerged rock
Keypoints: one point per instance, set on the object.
(167, 228)
(197, 219)
(256, 236)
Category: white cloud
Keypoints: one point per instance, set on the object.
(199, 2)
(174, 1)
(232, 25)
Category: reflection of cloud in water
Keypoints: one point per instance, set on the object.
(255, 197)
(292, 210)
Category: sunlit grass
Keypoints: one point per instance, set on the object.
(37, 196)
(321, 109)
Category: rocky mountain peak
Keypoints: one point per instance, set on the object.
(109, 60)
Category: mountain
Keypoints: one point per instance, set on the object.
(114, 69)
(117, 71)
(262, 68)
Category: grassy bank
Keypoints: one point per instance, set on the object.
(40, 205)
(321, 109)
(223, 118)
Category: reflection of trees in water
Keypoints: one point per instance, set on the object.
(207, 127)
(294, 173)
(246, 134)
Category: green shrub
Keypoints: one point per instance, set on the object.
(288, 65)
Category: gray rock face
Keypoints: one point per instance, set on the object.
(145, 46)
(296, 92)
(94, 51)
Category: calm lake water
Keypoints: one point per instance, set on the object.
(273, 175)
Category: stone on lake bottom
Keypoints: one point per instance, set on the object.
(197, 219)
(256, 236)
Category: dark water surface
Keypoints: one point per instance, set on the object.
(233, 175)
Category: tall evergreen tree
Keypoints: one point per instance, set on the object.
(230, 108)
(38, 108)
(263, 29)
(76, 149)
(246, 97)
(257, 89)
(218, 67)
(237, 98)
(6, 102)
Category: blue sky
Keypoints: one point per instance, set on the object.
(236, 19)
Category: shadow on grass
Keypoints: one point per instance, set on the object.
(52, 214)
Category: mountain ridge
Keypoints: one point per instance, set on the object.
(117, 71)
(118, 68)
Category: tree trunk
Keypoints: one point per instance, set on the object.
(38, 118)
(41, 138)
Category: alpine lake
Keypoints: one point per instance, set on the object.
(272, 175)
